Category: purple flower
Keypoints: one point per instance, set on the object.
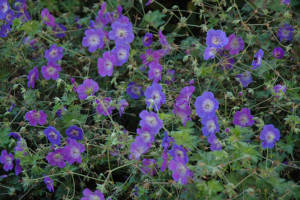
(59, 30)
(47, 18)
(278, 52)
(89, 195)
(164, 42)
(147, 40)
(154, 96)
(32, 76)
(150, 121)
(15, 135)
(6, 160)
(179, 154)
(150, 56)
(4, 30)
(170, 76)
(18, 167)
(164, 164)
(122, 105)
(155, 72)
(134, 91)
(149, 2)
(206, 104)
(104, 106)
(21, 146)
(54, 54)
(215, 144)
(121, 53)
(285, 33)
(145, 135)
(106, 64)
(243, 118)
(51, 71)
(74, 132)
(121, 32)
(137, 148)
(165, 143)
(149, 167)
(244, 78)
(257, 59)
(210, 125)
(36, 117)
(268, 136)
(4, 9)
(10, 16)
(209, 53)
(180, 172)
(226, 62)
(93, 39)
(53, 135)
(57, 158)
(216, 38)
(88, 88)
(49, 183)
(235, 44)
(286, 2)
(279, 90)
(73, 151)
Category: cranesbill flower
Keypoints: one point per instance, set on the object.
(18, 167)
(257, 59)
(54, 53)
(245, 78)
(47, 18)
(149, 166)
(56, 158)
(150, 121)
(279, 90)
(4, 30)
(93, 39)
(170, 76)
(269, 136)
(4, 8)
(137, 148)
(104, 106)
(216, 38)
(51, 71)
(89, 195)
(32, 76)
(88, 88)
(147, 40)
(154, 96)
(73, 151)
(134, 91)
(235, 44)
(209, 53)
(6, 160)
(243, 118)
(10, 16)
(179, 154)
(145, 135)
(106, 64)
(122, 105)
(21, 146)
(53, 135)
(155, 72)
(59, 31)
(180, 172)
(210, 125)
(49, 183)
(286, 2)
(215, 144)
(166, 141)
(164, 163)
(285, 33)
(226, 62)
(182, 110)
(278, 52)
(206, 104)
(36, 117)
(15, 135)
(121, 53)
(121, 32)
(74, 132)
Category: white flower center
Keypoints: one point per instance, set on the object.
(122, 54)
(270, 137)
(121, 33)
(216, 40)
(208, 105)
(75, 152)
(151, 120)
(94, 40)
(211, 126)
(51, 70)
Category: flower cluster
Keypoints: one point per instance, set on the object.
(49, 20)
(154, 96)
(206, 107)
(52, 69)
(243, 118)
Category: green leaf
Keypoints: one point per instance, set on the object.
(31, 27)
(154, 18)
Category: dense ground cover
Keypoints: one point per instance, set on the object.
(149, 99)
